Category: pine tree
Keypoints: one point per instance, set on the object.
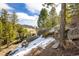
(4, 18)
(53, 16)
(42, 18)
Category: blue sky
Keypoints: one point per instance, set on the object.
(21, 7)
(27, 12)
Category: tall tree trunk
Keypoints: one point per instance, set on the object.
(62, 23)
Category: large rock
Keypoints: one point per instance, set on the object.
(73, 33)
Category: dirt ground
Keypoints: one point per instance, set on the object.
(59, 52)
(6, 50)
(54, 52)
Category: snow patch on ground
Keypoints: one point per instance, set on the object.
(39, 42)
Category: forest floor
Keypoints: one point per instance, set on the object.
(59, 52)
(54, 52)
(6, 50)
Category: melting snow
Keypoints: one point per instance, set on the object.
(41, 41)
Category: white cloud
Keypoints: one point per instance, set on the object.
(26, 19)
(34, 7)
(25, 16)
(5, 6)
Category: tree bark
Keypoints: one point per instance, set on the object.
(62, 23)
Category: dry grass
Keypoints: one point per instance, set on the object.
(4, 51)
